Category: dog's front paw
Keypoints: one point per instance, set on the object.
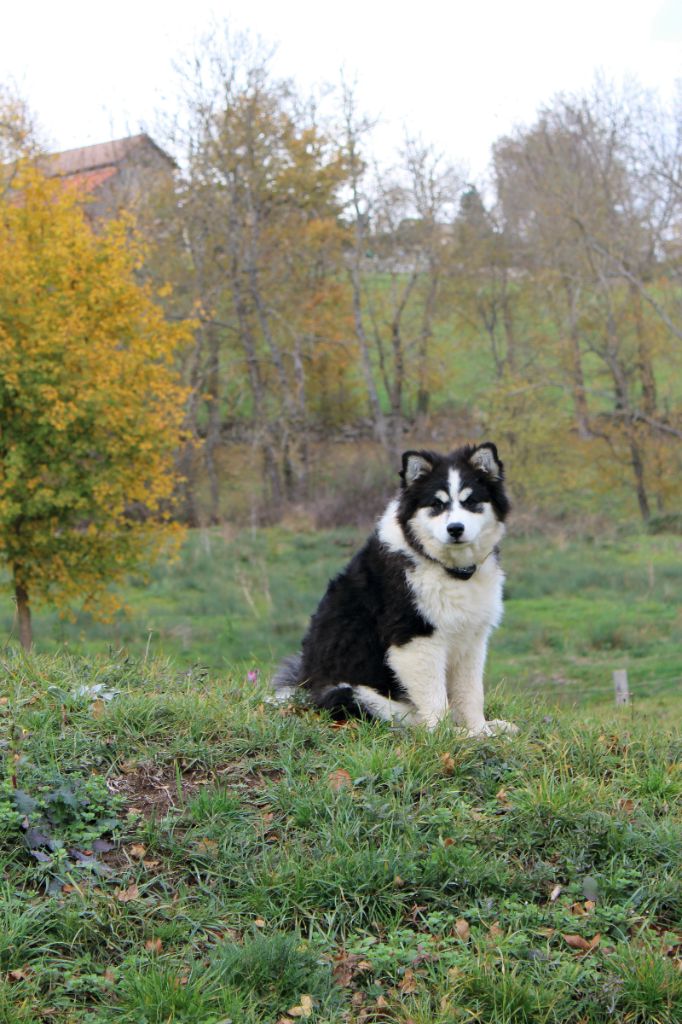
(494, 727)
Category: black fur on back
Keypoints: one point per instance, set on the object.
(367, 609)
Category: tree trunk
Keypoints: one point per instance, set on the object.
(23, 615)
(644, 360)
(638, 470)
(213, 429)
(575, 356)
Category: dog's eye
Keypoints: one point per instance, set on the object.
(437, 505)
(471, 504)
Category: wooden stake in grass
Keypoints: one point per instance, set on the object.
(620, 683)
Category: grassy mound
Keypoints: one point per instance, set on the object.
(174, 848)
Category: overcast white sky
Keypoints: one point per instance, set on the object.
(458, 73)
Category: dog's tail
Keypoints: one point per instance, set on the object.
(287, 677)
(338, 699)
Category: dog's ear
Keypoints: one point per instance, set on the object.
(415, 464)
(485, 459)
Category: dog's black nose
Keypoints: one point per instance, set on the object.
(455, 530)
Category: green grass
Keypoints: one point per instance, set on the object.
(175, 849)
(575, 610)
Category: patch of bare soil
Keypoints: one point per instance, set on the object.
(153, 789)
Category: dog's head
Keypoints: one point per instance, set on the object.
(452, 507)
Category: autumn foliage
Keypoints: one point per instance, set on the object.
(90, 404)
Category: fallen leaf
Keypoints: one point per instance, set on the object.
(126, 895)
(589, 906)
(304, 1009)
(206, 846)
(398, 882)
(582, 944)
(137, 850)
(153, 945)
(578, 909)
(259, 922)
(97, 708)
(448, 763)
(339, 779)
(502, 796)
(495, 932)
(462, 928)
(626, 805)
(448, 841)
(20, 974)
(409, 982)
(555, 893)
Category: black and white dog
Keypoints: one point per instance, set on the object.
(401, 634)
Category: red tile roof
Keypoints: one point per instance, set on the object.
(102, 154)
(88, 181)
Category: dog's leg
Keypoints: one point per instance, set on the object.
(465, 690)
(420, 668)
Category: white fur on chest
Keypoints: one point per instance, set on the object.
(455, 606)
(452, 606)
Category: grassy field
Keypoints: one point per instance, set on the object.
(175, 849)
(576, 610)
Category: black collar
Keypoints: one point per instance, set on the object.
(461, 574)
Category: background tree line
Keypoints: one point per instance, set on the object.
(336, 300)
(339, 299)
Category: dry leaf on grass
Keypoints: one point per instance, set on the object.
(304, 1009)
(581, 944)
(206, 846)
(126, 895)
(20, 974)
(97, 708)
(339, 779)
(409, 982)
(462, 928)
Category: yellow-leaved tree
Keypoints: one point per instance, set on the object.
(91, 407)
